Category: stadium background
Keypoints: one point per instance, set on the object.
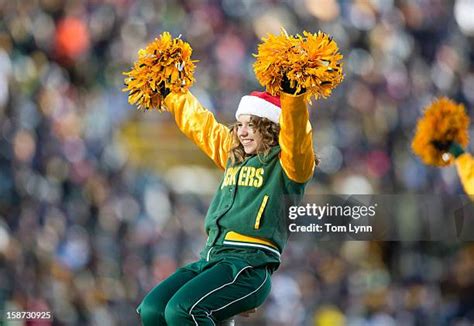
(99, 202)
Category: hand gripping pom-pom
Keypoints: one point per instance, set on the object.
(164, 66)
(443, 123)
(311, 62)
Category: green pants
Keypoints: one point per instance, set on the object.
(203, 293)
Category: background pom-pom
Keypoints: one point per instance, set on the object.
(311, 62)
(165, 63)
(443, 122)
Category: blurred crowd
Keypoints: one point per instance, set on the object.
(85, 231)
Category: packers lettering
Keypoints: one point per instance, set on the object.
(248, 177)
(230, 176)
(258, 181)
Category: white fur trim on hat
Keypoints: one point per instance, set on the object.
(257, 106)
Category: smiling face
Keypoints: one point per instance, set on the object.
(248, 135)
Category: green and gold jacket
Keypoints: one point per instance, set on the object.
(249, 209)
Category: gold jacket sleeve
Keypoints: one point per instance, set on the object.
(199, 125)
(465, 167)
(296, 140)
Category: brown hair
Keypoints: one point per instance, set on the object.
(269, 131)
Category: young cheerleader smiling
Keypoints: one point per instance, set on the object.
(268, 158)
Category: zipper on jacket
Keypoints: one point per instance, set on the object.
(260, 212)
(209, 253)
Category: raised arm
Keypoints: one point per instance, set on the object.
(199, 125)
(296, 140)
(465, 167)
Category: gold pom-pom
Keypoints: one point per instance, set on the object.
(164, 63)
(311, 62)
(443, 122)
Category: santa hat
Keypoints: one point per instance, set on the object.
(260, 104)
